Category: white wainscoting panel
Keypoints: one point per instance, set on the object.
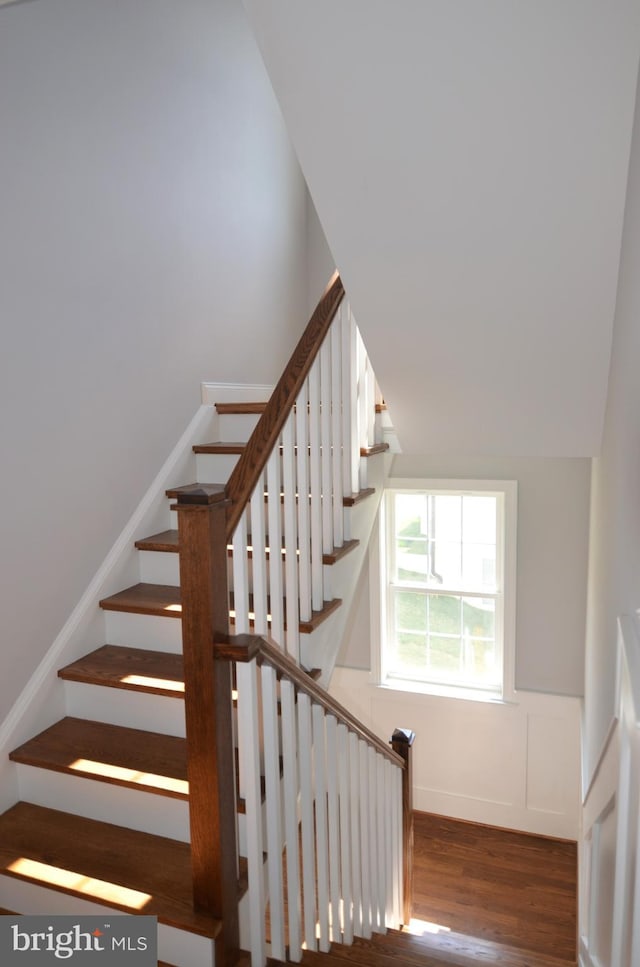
(610, 875)
(513, 764)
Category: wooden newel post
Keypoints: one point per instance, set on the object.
(401, 742)
(208, 709)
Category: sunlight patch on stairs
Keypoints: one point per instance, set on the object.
(109, 771)
(56, 876)
(418, 928)
(146, 681)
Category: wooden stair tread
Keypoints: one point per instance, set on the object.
(154, 599)
(374, 449)
(214, 492)
(240, 408)
(122, 868)
(339, 552)
(357, 497)
(305, 627)
(166, 541)
(237, 447)
(220, 447)
(110, 753)
(135, 669)
(164, 600)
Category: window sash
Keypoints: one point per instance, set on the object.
(464, 676)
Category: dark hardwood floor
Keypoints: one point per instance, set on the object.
(496, 885)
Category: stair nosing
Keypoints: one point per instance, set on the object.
(77, 671)
(173, 607)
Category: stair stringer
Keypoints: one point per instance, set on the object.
(321, 649)
(42, 701)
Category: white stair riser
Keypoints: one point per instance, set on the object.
(159, 567)
(174, 946)
(237, 427)
(119, 706)
(144, 631)
(108, 803)
(119, 805)
(215, 467)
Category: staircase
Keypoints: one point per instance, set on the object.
(116, 798)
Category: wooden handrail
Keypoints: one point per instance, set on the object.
(247, 647)
(246, 473)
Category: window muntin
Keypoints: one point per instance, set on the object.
(445, 589)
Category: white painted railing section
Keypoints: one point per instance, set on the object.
(296, 514)
(330, 807)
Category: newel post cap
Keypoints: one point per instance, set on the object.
(405, 736)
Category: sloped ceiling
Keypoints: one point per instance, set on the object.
(468, 161)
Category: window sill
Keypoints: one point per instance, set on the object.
(445, 691)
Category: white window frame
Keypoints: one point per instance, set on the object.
(507, 490)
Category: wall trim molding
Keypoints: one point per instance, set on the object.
(514, 766)
(588, 787)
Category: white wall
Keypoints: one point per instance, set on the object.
(553, 515)
(514, 764)
(614, 568)
(153, 235)
(320, 262)
(468, 162)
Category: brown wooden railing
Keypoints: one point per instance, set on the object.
(207, 520)
(253, 460)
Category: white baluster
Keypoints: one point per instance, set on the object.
(399, 843)
(241, 577)
(333, 822)
(354, 436)
(345, 833)
(388, 837)
(356, 866)
(322, 844)
(304, 503)
(274, 508)
(351, 446)
(307, 820)
(381, 841)
(315, 441)
(371, 403)
(362, 384)
(336, 428)
(249, 766)
(365, 850)
(290, 539)
(325, 421)
(258, 560)
(291, 786)
(373, 837)
(273, 809)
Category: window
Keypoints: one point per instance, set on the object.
(448, 610)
